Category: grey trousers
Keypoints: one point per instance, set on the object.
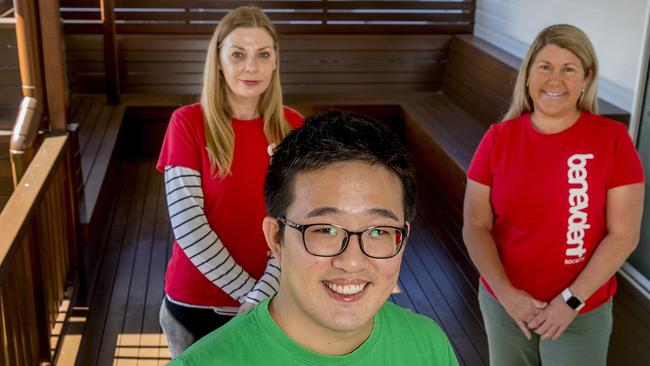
(584, 342)
(178, 337)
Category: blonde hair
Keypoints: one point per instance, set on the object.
(219, 134)
(568, 37)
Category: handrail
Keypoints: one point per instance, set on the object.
(24, 199)
(37, 251)
(30, 114)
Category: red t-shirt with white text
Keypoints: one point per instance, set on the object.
(549, 194)
(233, 205)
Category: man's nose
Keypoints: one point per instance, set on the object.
(352, 259)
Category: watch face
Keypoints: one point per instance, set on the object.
(573, 302)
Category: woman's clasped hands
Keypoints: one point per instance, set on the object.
(548, 320)
(522, 308)
(553, 320)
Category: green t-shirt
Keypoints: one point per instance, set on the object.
(398, 337)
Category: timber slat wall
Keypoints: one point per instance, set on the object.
(290, 17)
(332, 46)
(481, 88)
(160, 64)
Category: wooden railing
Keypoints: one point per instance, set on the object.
(38, 246)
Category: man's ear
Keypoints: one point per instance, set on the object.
(273, 236)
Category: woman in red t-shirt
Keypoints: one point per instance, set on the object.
(552, 210)
(214, 158)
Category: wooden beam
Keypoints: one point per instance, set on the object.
(54, 62)
(28, 49)
(111, 66)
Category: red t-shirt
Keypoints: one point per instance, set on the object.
(548, 194)
(234, 205)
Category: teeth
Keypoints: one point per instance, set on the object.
(554, 94)
(346, 289)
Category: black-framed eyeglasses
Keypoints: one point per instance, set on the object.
(329, 240)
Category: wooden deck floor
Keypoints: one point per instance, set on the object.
(118, 324)
(121, 323)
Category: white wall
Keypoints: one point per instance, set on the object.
(616, 29)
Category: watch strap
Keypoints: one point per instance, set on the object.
(574, 302)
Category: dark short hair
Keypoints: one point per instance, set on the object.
(333, 137)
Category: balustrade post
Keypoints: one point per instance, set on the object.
(111, 66)
(54, 62)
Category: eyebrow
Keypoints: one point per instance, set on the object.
(564, 64)
(259, 49)
(321, 211)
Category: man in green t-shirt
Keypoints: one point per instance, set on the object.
(340, 194)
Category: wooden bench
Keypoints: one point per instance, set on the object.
(99, 130)
(99, 124)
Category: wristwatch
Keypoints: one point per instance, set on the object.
(572, 300)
